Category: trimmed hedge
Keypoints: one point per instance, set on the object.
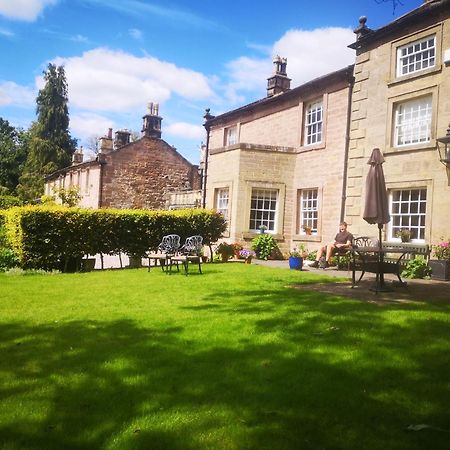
(47, 238)
(8, 201)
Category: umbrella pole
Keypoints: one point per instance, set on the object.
(379, 283)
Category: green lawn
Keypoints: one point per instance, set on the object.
(232, 359)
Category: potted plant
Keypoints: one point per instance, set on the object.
(296, 256)
(404, 235)
(440, 267)
(307, 229)
(237, 248)
(264, 245)
(226, 251)
(247, 255)
(262, 229)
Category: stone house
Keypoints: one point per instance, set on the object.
(281, 161)
(401, 104)
(148, 173)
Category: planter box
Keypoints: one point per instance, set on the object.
(135, 262)
(87, 264)
(440, 269)
(295, 263)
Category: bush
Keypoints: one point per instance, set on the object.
(226, 251)
(8, 259)
(417, 268)
(8, 201)
(50, 238)
(264, 246)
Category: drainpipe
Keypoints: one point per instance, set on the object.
(346, 151)
(102, 161)
(207, 117)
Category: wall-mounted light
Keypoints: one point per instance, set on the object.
(444, 153)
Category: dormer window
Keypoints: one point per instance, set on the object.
(230, 137)
(416, 56)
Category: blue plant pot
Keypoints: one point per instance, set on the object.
(295, 263)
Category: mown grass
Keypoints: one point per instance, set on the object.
(232, 359)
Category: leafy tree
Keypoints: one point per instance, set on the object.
(13, 154)
(51, 146)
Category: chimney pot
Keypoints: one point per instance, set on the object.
(279, 82)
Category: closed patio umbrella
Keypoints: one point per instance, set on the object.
(376, 208)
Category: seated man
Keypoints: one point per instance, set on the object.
(343, 240)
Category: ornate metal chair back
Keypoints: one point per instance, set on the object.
(193, 245)
(170, 244)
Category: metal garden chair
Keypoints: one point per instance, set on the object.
(165, 251)
(190, 252)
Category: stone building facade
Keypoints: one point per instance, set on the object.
(299, 157)
(401, 104)
(280, 161)
(148, 173)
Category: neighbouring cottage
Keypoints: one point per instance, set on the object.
(147, 173)
(401, 104)
(281, 161)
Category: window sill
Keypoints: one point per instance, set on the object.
(312, 147)
(411, 148)
(307, 237)
(252, 234)
(413, 76)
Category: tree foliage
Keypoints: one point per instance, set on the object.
(51, 146)
(13, 154)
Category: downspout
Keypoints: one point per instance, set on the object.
(102, 161)
(346, 151)
(207, 117)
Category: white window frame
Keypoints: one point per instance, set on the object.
(223, 202)
(264, 209)
(416, 56)
(314, 122)
(230, 137)
(309, 210)
(408, 211)
(412, 122)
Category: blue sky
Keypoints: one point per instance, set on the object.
(187, 55)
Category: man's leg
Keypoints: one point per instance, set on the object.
(319, 255)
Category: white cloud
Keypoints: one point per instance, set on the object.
(310, 54)
(26, 10)
(135, 33)
(84, 125)
(6, 33)
(14, 94)
(185, 130)
(80, 38)
(107, 80)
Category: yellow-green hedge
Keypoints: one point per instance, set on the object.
(47, 237)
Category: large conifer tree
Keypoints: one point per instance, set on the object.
(51, 146)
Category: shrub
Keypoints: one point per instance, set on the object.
(226, 251)
(264, 245)
(8, 259)
(8, 201)
(48, 238)
(416, 268)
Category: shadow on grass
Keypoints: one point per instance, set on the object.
(318, 381)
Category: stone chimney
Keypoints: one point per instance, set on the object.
(279, 82)
(152, 122)
(362, 28)
(121, 138)
(77, 157)
(106, 142)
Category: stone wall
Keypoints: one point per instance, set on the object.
(376, 92)
(144, 173)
